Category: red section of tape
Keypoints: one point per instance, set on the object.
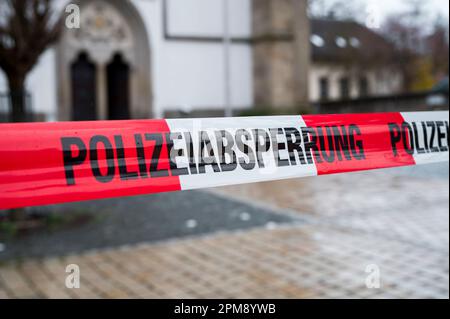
(49, 163)
(32, 170)
(367, 130)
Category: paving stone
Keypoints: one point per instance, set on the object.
(404, 232)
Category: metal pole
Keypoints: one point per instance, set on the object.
(227, 59)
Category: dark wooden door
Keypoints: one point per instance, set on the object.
(84, 93)
(118, 74)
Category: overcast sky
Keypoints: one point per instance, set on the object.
(393, 6)
(383, 8)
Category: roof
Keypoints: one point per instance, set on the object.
(347, 41)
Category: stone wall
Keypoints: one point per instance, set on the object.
(281, 53)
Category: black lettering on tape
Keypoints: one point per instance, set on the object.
(141, 156)
(124, 172)
(396, 137)
(154, 163)
(173, 153)
(420, 150)
(242, 139)
(341, 143)
(294, 145)
(356, 145)
(93, 156)
(69, 159)
(330, 155)
(433, 148)
(425, 137)
(226, 149)
(407, 137)
(207, 160)
(277, 146)
(441, 136)
(190, 153)
(310, 143)
(262, 144)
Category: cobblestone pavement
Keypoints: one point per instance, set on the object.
(409, 204)
(394, 224)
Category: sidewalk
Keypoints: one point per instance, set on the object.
(292, 262)
(398, 223)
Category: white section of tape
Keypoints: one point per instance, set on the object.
(422, 117)
(238, 176)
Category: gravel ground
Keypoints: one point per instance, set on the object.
(131, 220)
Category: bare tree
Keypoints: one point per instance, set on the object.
(348, 10)
(27, 29)
(407, 43)
(421, 50)
(438, 48)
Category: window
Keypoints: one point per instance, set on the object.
(317, 40)
(344, 86)
(363, 87)
(324, 88)
(354, 42)
(341, 42)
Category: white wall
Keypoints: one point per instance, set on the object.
(381, 81)
(386, 81)
(189, 75)
(333, 73)
(205, 17)
(41, 83)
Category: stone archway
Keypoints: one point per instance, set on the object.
(108, 29)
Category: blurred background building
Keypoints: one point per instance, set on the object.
(281, 239)
(166, 58)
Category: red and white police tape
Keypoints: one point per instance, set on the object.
(48, 163)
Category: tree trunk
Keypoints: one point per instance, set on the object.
(18, 114)
(17, 96)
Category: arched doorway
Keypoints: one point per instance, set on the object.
(118, 83)
(83, 79)
(115, 39)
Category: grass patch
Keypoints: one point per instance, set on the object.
(43, 221)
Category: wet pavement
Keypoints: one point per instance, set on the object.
(409, 204)
(379, 234)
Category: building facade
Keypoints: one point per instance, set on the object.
(157, 58)
(350, 61)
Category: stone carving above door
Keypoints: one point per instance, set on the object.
(108, 28)
(103, 33)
